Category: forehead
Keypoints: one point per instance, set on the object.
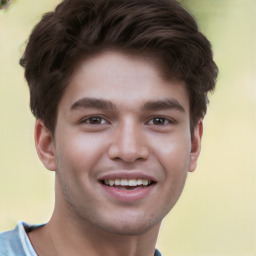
(123, 78)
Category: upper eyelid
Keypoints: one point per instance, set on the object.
(82, 120)
(171, 120)
(108, 120)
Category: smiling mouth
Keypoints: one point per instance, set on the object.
(128, 184)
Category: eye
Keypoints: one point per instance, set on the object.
(158, 120)
(94, 120)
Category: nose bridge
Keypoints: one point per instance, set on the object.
(128, 136)
(129, 143)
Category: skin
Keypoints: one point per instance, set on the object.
(117, 117)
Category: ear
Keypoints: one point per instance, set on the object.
(195, 146)
(45, 145)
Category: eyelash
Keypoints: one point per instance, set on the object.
(151, 121)
(165, 120)
(90, 118)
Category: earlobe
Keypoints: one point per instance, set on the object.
(196, 146)
(45, 145)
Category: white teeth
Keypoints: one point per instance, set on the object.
(132, 183)
(145, 182)
(139, 182)
(124, 182)
(127, 182)
(111, 182)
(117, 182)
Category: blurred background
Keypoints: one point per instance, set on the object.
(215, 216)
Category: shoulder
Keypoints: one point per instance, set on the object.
(16, 242)
(10, 243)
(157, 253)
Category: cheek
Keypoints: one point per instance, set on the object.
(173, 152)
(174, 157)
(81, 152)
(76, 157)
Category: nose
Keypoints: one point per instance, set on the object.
(128, 143)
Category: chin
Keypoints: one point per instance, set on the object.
(128, 230)
(132, 227)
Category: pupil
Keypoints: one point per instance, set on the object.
(158, 120)
(95, 120)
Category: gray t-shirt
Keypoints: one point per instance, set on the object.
(16, 242)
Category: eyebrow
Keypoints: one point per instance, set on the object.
(93, 103)
(163, 104)
(156, 105)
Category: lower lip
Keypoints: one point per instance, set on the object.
(127, 195)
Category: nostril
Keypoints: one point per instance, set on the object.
(127, 154)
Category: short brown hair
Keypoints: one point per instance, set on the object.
(78, 28)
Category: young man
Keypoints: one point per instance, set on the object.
(119, 91)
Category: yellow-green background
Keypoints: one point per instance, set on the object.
(216, 213)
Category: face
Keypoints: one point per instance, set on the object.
(122, 145)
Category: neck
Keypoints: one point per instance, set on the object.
(65, 235)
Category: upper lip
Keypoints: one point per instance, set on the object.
(126, 175)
